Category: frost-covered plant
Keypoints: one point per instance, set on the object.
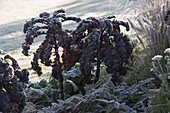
(55, 37)
(94, 42)
(151, 28)
(160, 101)
(45, 92)
(105, 97)
(12, 85)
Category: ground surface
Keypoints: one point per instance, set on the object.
(14, 13)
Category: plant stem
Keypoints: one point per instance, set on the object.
(99, 58)
(59, 69)
(162, 71)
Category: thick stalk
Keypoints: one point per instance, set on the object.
(59, 69)
(99, 58)
(59, 73)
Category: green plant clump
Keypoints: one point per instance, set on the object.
(139, 72)
(160, 101)
(105, 97)
(45, 92)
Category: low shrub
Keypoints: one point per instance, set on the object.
(104, 96)
(160, 100)
(12, 84)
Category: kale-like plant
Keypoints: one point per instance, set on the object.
(94, 42)
(12, 84)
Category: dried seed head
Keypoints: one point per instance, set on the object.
(167, 51)
(158, 20)
(157, 57)
(168, 31)
(164, 30)
(163, 11)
